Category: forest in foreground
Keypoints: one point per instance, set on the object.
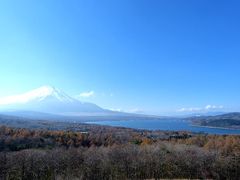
(101, 152)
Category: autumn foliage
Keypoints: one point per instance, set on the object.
(116, 153)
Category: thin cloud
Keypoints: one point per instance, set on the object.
(209, 107)
(192, 109)
(116, 109)
(87, 94)
(136, 110)
(197, 109)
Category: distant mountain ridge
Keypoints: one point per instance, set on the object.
(47, 99)
(50, 103)
(229, 120)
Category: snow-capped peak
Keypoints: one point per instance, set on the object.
(38, 94)
(47, 91)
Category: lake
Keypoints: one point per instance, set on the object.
(171, 125)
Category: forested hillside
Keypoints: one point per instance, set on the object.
(230, 120)
(116, 153)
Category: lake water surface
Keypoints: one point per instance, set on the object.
(171, 125)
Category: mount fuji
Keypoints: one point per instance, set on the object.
(47, 99)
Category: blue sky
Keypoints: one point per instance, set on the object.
(154, 56)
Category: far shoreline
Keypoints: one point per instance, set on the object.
(215, 127)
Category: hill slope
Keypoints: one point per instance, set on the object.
(230, 120)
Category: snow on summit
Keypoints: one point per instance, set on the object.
(38, 94)
(47, 99)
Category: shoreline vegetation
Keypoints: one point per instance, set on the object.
(83, 151)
